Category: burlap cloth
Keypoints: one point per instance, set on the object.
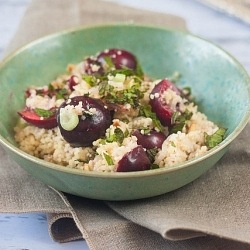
(213, 212)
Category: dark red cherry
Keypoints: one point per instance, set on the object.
(34, 119)
(72, 82)
(151, 140)
(88, 127)
(135, 160)
(93, 67)
(163, 111)
(119, 57)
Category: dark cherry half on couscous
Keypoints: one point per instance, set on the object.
(104, 114)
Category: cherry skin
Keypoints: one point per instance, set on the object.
(120, 58)
(72, 82)
(31, 117)
(151, 140)
(135, 160)
(90, 127)
(163, 111)
(93, 67)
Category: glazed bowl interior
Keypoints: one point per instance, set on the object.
(218, 82)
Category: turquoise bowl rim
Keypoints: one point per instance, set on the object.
(122, 175)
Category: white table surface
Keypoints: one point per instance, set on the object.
(30, 231)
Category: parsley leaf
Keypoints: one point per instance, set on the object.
(213, 140)
(44, 113)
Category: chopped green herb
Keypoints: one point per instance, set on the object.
(44, 113)
(127, 96)
(174, 117)
(186, 91)
(123, 71)
(102, 141)
(109, 62)
(187, 94)
(126, 133)
(83, 161)
(110, 68)
(108, 159)
(179, 120)
(40, 92)
(213, 140)
(105, 89)
(51, 88)
(137, 73)
(90, 79)
(62, 94)
(154, 166)
(146, 111)
(118, 136)
(151, 153)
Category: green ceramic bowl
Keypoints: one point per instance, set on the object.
(219, 83)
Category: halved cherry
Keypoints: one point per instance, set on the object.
(163, 111)
(135, 160)
(151, 140)
(72, 82)
(119, 57)
(82, 130)
(33, 118)
(92, 66)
